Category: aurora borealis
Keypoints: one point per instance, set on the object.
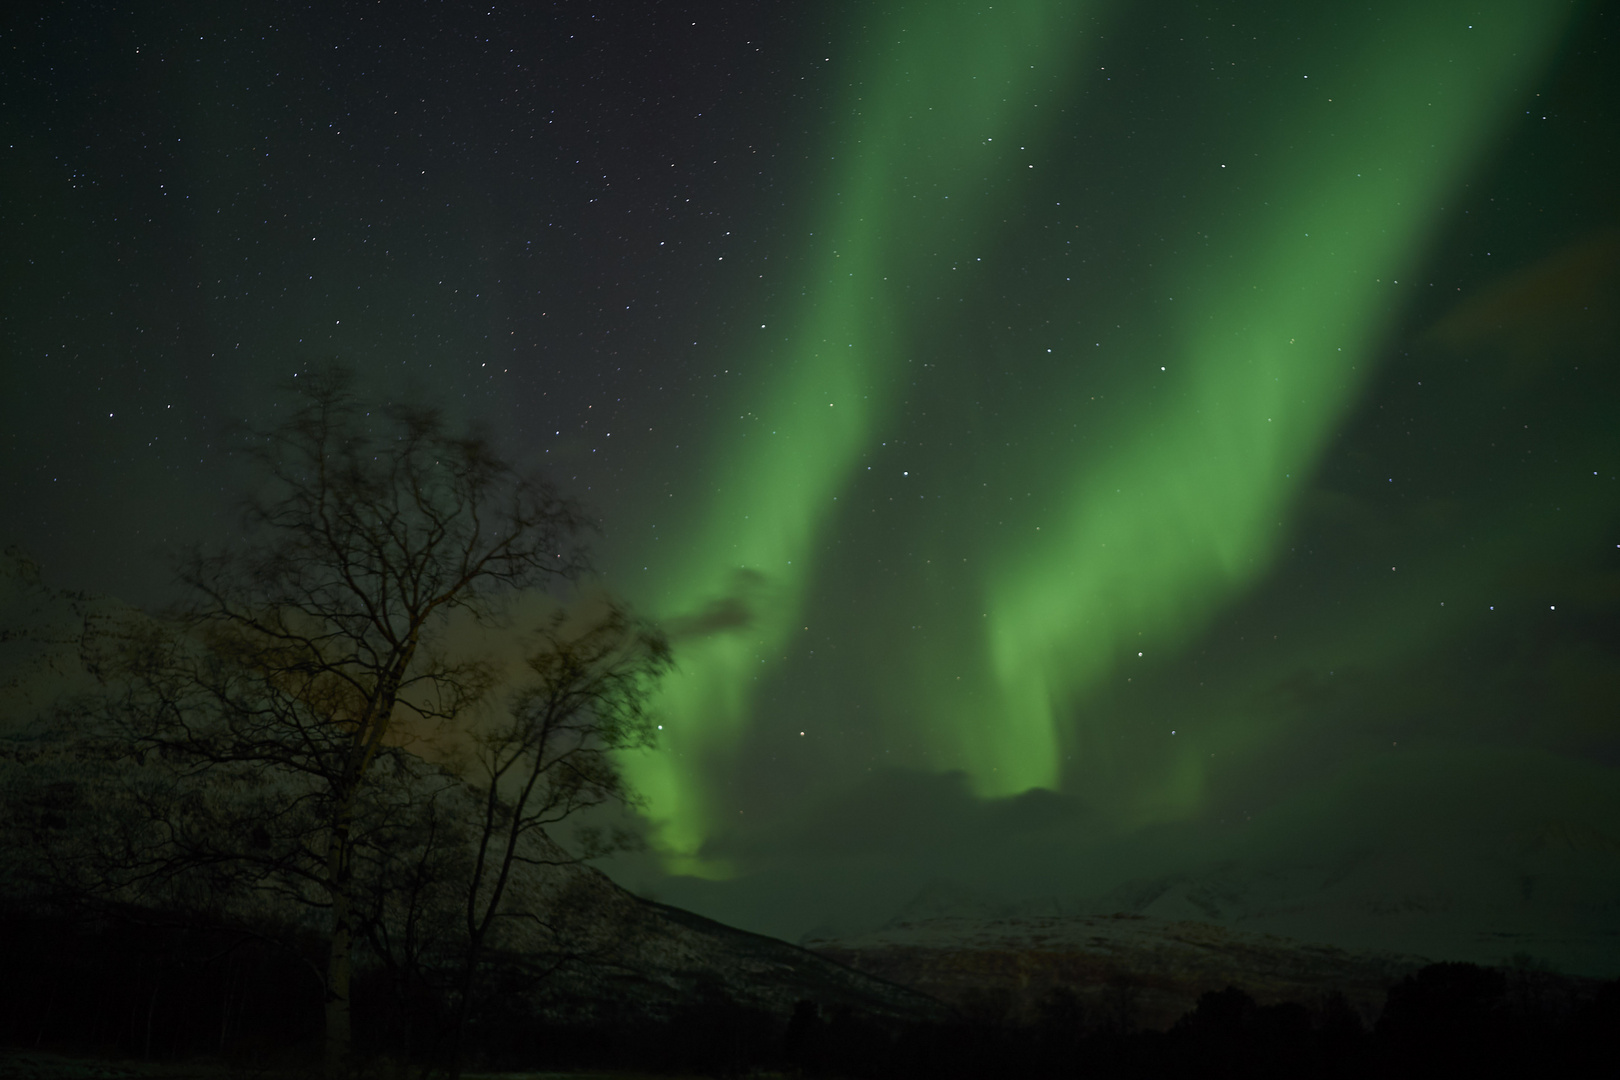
(1071, 445)
(1142, 538)
(928, 110)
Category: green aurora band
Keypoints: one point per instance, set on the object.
(1266, 359)
(930, 116)
(1277, 323)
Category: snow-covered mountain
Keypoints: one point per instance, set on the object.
(1126, 971)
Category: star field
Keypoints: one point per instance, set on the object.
(1051, 425)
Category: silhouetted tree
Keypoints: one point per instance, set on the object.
(1449, 1003)
(802, 1042)
(1450, 1015)
(1224, 1013)
(1060, 1023)
(305, 643)
(590, 675)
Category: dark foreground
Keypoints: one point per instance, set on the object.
(1449, 1019)
(42, 1065)
(125, 1003)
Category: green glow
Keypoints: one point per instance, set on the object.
(1130, 543)
(1266, 357)
(939, 100)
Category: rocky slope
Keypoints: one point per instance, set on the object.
(604, 954)
(1128, 971)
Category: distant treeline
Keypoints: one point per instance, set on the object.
(133, 985)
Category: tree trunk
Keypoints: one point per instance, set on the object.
(339, 857)
(337, 1001)
(458, 1033)
(336, 1059)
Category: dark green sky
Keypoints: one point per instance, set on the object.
(1081, 451)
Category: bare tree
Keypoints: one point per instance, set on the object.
(590, 678)
(311, 643)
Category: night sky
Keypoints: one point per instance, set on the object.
(1090, 456)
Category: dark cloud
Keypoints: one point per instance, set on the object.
(736, 610)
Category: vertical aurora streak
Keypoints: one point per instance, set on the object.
(1266, 357)
(1275, 327)
(936, 102)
